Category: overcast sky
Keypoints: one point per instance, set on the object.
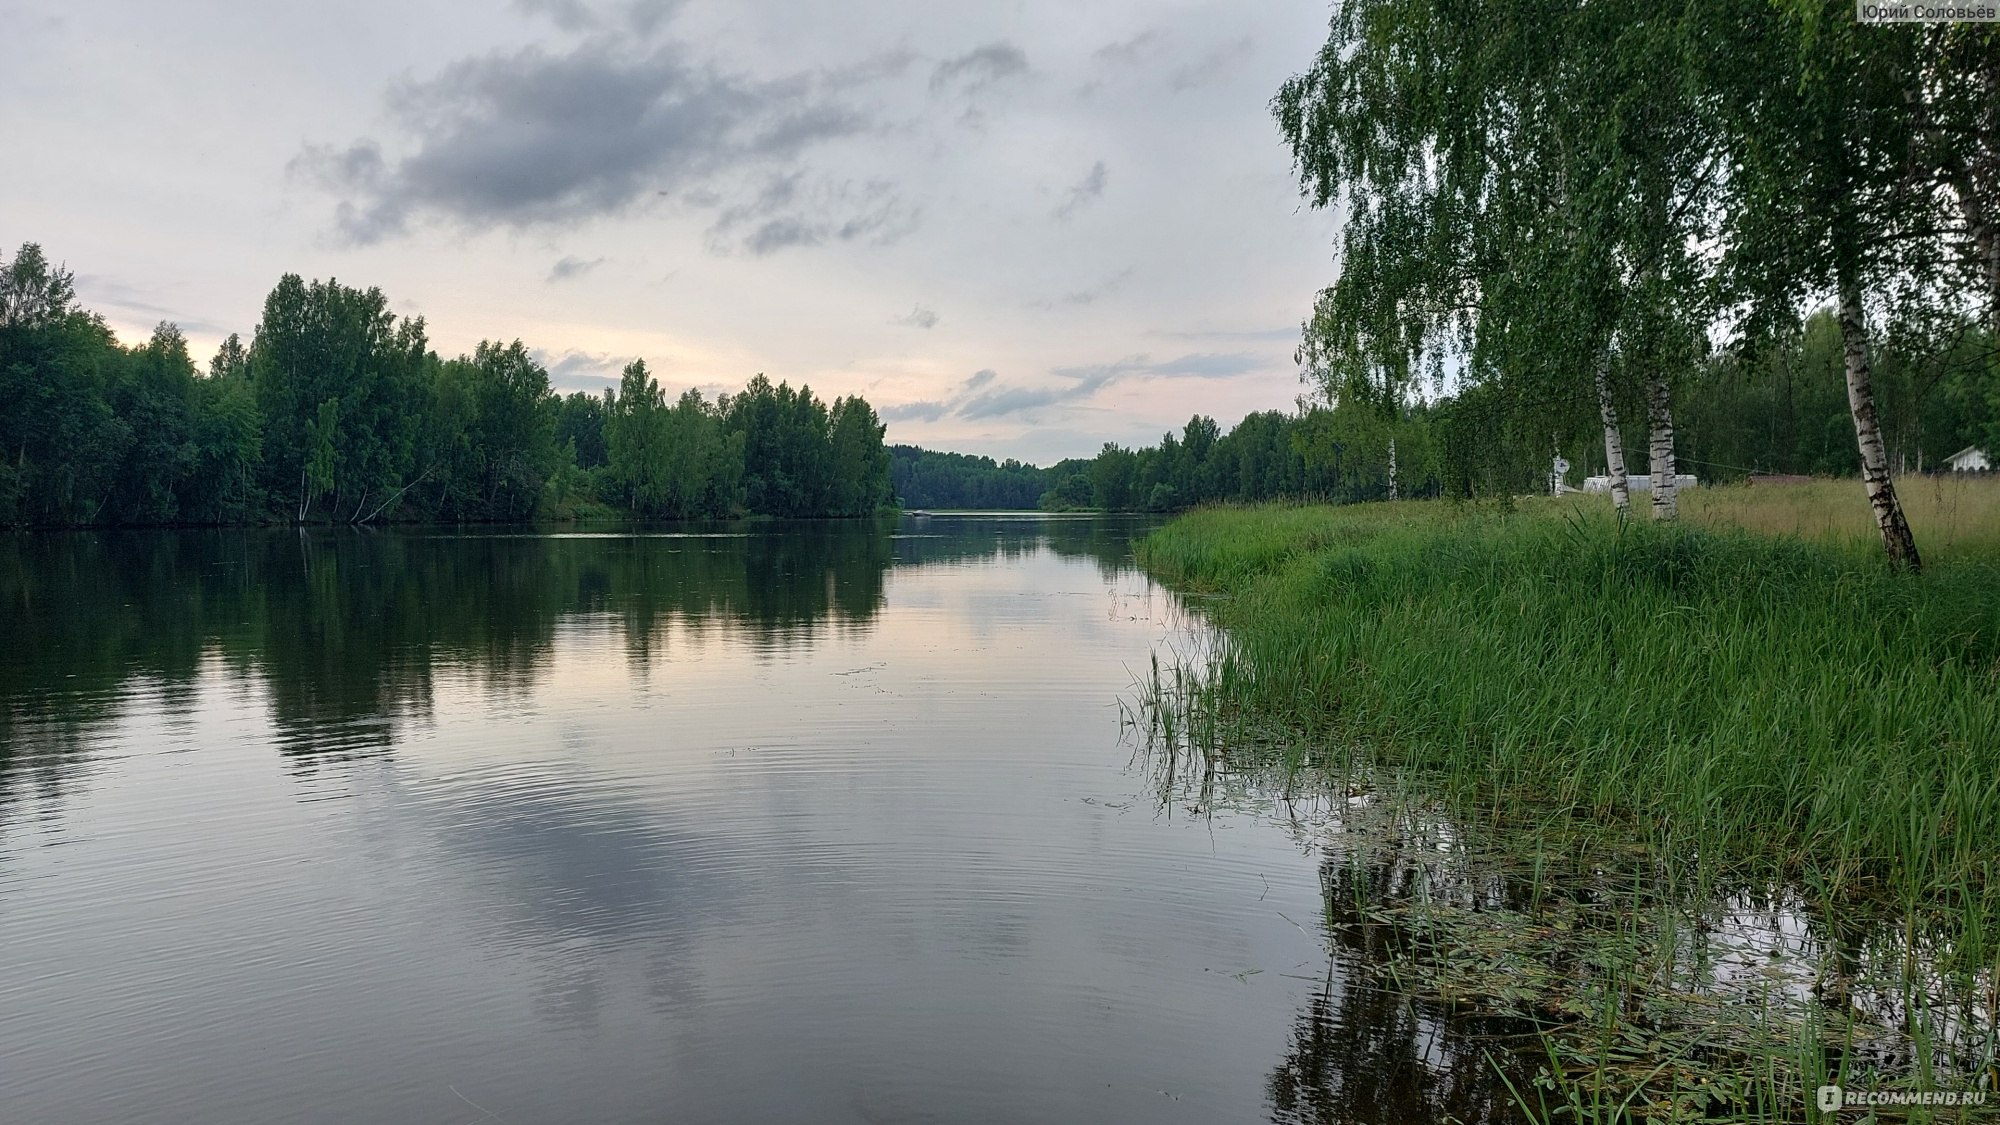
(1020, 229)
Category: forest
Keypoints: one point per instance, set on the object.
(339, 411)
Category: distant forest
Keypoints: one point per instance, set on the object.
(1778, 409)
(338, 411)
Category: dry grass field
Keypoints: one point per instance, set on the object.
(1953, 515)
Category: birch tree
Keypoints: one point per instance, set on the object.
(1829, 194)
(1524, 192)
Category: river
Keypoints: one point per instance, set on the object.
(778, 823)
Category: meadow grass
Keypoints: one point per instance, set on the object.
(1751, 695)
(1953, 515)
(1766, 698)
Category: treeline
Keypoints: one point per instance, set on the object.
(1778, 409)
(925, 478)
(1783, 408)
(1339, 455)
(1618, 217)
(338, 411)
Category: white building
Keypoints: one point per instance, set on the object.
(1971, 459)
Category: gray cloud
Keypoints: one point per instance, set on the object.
(1080, 383)
(640, 16)
(926, 411)
(979, 68)
(1083, 192)
(569, 267)
(1016, 400)
(1197, 365)
(1088, 296)
(979, 379)
(1210, 66)
(538, 137)
(578, 370)
(570, 15)
(95, 291)
(919, 317)
(891, 63)
(1131, 50)
(790, 211)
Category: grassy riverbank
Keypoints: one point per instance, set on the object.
(1748, 700)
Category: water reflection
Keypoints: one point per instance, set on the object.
(1364, 1053)
(814, 823)
(344, 632)
(1459, 943)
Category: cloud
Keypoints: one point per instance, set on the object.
(979, 68)
(791, 211)
(919, 317)
(639, 16)
(96, 291)
(540, 137)
(979, 399)
(1285, 332)
(1017, 400)
(914, 412)
(1088, 296)
(570, 267)
(979, 379)
(1083, 192)
(580, 370)
(1197, 365)
(1210, 66)
(1131, 50)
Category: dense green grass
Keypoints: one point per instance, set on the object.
(1770, 705)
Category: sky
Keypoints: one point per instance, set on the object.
(1021, 229)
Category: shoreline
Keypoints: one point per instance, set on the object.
(1438, 666)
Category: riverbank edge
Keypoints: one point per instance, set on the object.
(1325, 609)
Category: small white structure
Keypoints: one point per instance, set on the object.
(1638, 482)
(1971, 459)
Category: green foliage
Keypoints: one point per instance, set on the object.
(580, 425)
(1072, 491)
(924, 478)
(328, 343)
(859, 461)
(1339, 453)
(60, 442)
(1782, 407)
(339, 412)
(673, 462)
(493, 435)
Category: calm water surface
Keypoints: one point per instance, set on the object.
(799, 824)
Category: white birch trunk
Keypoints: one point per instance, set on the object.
(1392, 468)
(1896, 537)
(1614, 442)
(1660, 425)
(1977, 185)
